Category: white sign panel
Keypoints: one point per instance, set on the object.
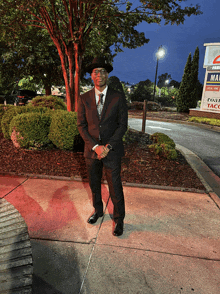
(212, 54)
(211, 90)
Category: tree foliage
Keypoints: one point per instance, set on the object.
(183, 97)
(143, 91)
(31, 54)
(115, 84)
(162, 80)
(190, 89)
(74, 24)
(175, 84)
(194, 95)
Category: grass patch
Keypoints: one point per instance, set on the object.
(209, 121)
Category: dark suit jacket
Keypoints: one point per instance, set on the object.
(110, 128)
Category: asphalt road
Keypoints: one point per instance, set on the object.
(205, 143)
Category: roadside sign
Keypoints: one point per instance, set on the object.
(211, 90)
(212, 54)
(213, 78)
(213, 67)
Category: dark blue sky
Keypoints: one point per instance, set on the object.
(135, 65)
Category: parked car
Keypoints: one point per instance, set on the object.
(2, 98)
(20, 97)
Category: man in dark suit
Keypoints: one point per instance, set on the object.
(102, 122)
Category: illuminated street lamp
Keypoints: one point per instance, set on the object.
(160, 54)
(166, 83)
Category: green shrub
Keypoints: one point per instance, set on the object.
(12, 112)
(63, 129)
(137, 105)
(163, 145)
(165, 150)
(153, 106)
(126, 137)
(162, 138)
(210, 121)
(3, 109)
(52, 102)
(30, 130)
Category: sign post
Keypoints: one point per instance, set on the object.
(144, 116)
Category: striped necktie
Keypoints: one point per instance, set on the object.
(100, 105)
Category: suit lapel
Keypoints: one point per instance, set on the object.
(92, 97)
(106, 104)
(93, 102)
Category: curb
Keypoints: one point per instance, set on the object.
(188, 154)
(195, 161)
(125, 184)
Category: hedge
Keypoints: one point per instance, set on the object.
(3, 109)
(14, 111)
(30, 130)
(63, 129)
(52, 102)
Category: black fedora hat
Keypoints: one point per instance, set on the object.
(99, 62)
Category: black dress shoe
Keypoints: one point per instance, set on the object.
(118, 231)
(93, 218)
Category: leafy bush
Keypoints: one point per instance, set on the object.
(137, 105)
(52, 102)
(30, 130)
(165, 150)
(162, 138)
(210, 121)
(142, 91)
(3, 109)
(151, 106)
(63, 129)
(115, 84)
(12, 112)
(163, 145)
(126, 137)
(166, 101)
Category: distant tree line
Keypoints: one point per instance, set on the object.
(183, 95)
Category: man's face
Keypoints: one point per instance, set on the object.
(99, 77)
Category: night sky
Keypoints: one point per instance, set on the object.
(135, 65)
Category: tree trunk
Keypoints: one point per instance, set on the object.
(69, 91)
(71, 76)
(47, 90)
(77, 74)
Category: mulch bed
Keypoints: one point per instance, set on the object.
(139, 165)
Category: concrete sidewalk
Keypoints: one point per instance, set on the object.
(171, 241)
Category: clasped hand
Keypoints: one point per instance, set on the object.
(102, 151)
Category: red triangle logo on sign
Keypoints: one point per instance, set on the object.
(215, 61)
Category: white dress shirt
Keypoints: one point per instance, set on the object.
(97, 92)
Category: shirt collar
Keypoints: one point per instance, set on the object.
(97, 92)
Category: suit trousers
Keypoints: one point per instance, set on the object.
(113, 176)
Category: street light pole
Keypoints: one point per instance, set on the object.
(155, 82)
(160, 54)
